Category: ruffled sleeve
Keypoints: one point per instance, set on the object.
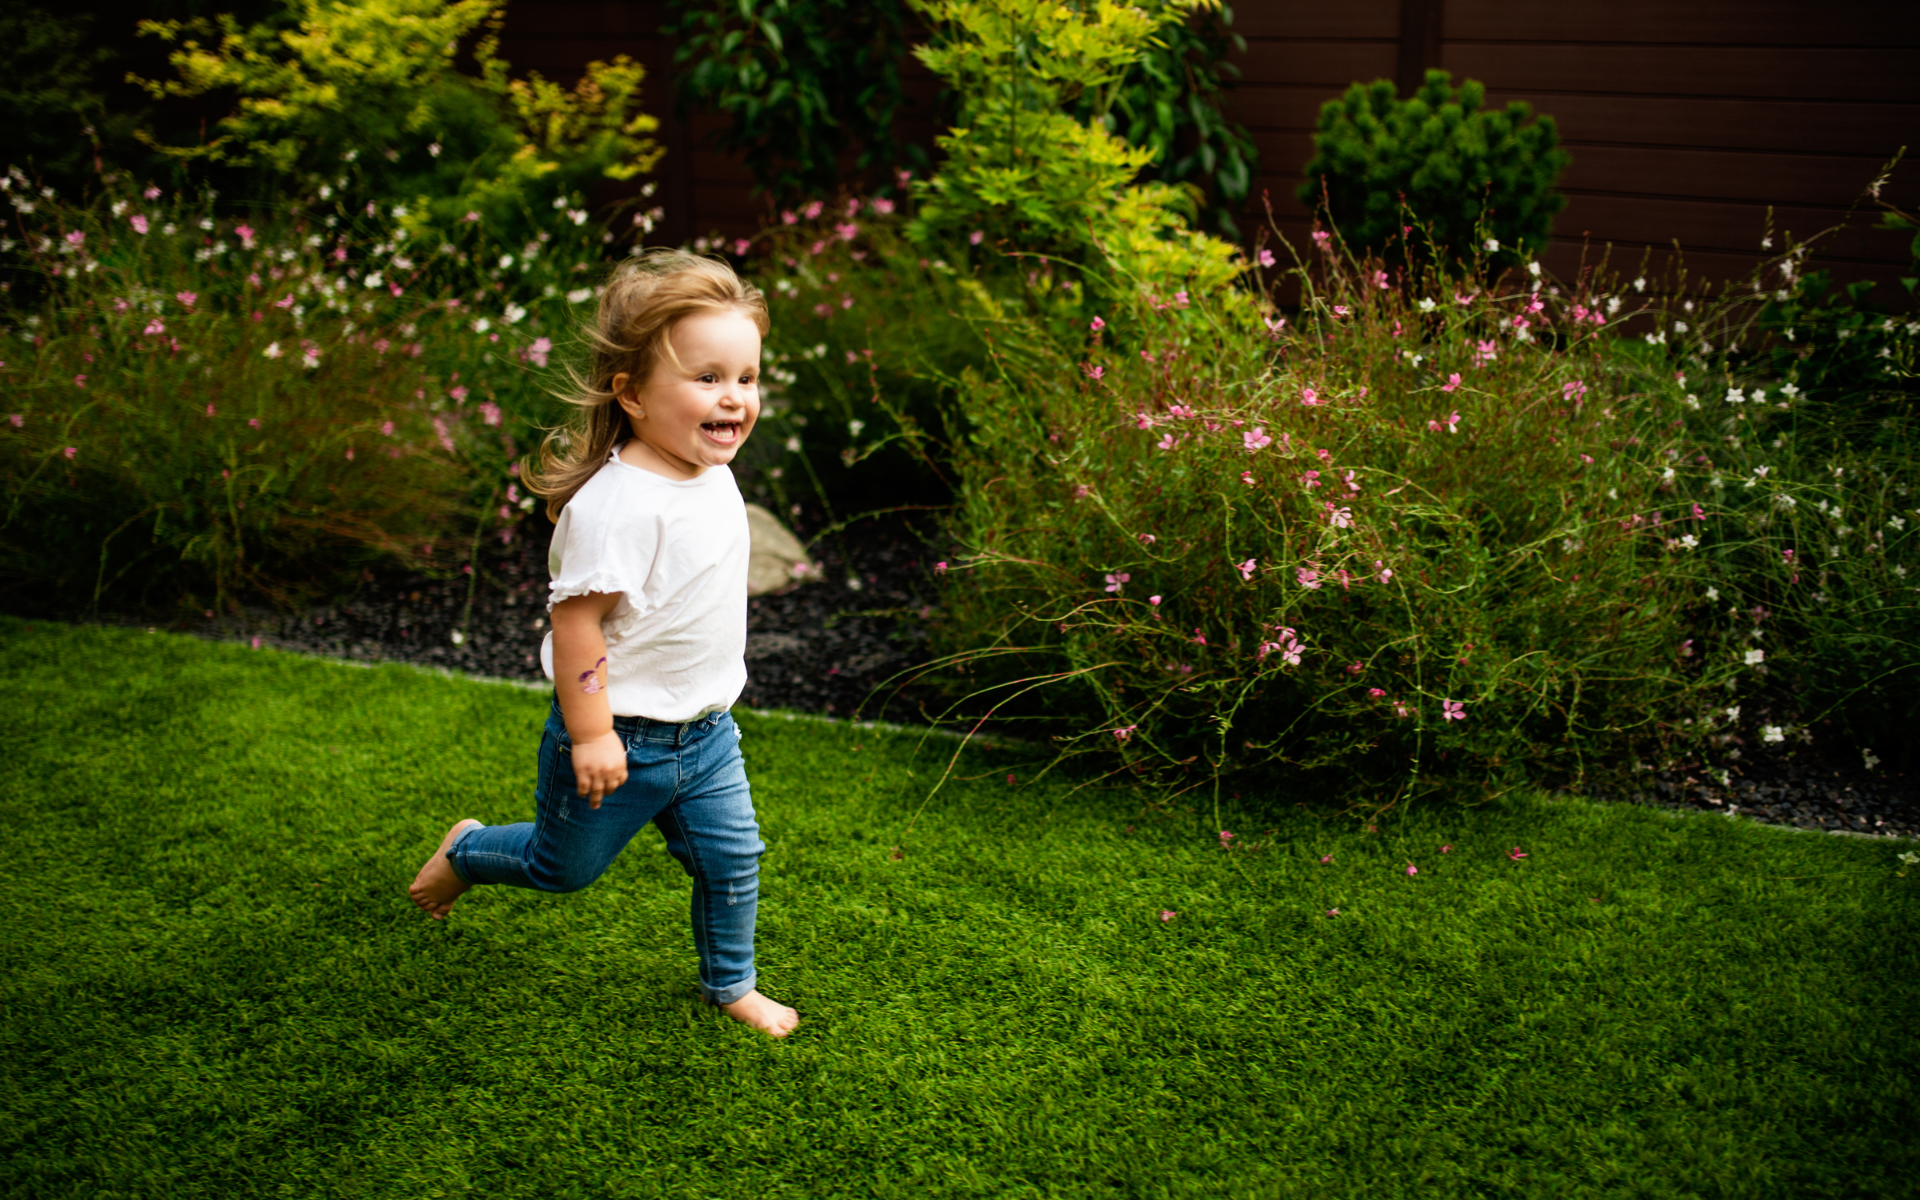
(602, 545)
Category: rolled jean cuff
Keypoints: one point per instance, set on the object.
(453, 854)
(727, 995)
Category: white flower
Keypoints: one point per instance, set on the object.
(1426, 304)
(373, 279)
(1640, 284)
(1772, 733)
(1688, 541)
(310, 358)
(1896, 523)
(1492, 245)
(458, 637)
(1733, 714)
(1693, 401)
(793, 444)
(1872, 760)
(1533, 269)
(433, 148)
(272, 350)
(1713, 593)
(1755, 657)
(1679, 326)
(855, 426)
(1736, 396)
(513, 314)
(1782, 500)
(482, 325)
(579, 295)
(506, 260)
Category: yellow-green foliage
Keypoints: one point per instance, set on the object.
(1019, 168)
(374, 84)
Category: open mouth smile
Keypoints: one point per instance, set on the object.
(725, 432)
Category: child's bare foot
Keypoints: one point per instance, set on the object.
(436, 887)
(768, 1016)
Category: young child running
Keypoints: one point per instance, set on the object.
(649, 609)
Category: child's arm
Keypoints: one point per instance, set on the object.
(580, 679)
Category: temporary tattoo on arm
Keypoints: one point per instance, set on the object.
(590, 680)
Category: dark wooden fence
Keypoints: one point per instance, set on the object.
(1685, 120)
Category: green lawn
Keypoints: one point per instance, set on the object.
(215, 984)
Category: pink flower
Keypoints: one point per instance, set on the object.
(1310, 480)
(537, 353)
(1326, 858)
(1787, 554)
(490, 412)
(1266, 258)
(1009, 778)
(1355, 667)
(1154, 600)
(1198, 638)
(976, 237)
(1447, 849)
(1167, 914)
(1246, 477)
(254, 643)
(1167, 443)
(1143, 421)
(1125, 732)
(1586, 458)
(1179, 411)
(1333, 912)
(1097, 325)
(847, 231)
(940, 568)
(1516, 854)
(1386, 572)
(1246, 569)
(1307, 577)
(1226, 839)
(1453, 710)
(245, 234)
(1094, 373)
(156, 326)
(1412, 870)
(1375, 693)
(882, 206)
(138, 222)
(70, 451)
(19, 419)
(75, 238)
(1339, 518)
(1340, 310)
(1699, 514)
(1351, 485)
(1453, 381)
(1146, 539)
(386, 427)
(1380, 280)
(459, 394)
(1116, 582)
(1321, 238)
(1180, 298)
(79, 381)
(812, 210)
(1081, 491)
(1309, 397)
(471, 216)
(1256, 440)
(1400, 709)
(1572, 390)
(789, 218)
(1463, 298)
(253, 422)
(1275, 325)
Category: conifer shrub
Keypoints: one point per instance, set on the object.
(1472, 175)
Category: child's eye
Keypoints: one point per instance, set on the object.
(709, 377)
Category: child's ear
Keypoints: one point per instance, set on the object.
(627, 396)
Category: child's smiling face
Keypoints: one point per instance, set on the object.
(696, 415)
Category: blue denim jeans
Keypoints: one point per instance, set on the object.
(690, 781)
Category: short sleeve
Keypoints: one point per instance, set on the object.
(601, 545)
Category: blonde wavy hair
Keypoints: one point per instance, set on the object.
(629, 334)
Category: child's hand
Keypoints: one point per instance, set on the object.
(599, 766)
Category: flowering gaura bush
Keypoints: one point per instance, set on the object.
(201, 409)
(1426, 520)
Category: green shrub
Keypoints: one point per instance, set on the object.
(1169, 102)
(1470, 174)
(803, 83)
(203, 413)
(364, 99)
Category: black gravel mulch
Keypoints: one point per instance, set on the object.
(826, 647)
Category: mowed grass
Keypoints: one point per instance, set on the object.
(214, 983)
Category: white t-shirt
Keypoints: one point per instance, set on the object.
(676, 551)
